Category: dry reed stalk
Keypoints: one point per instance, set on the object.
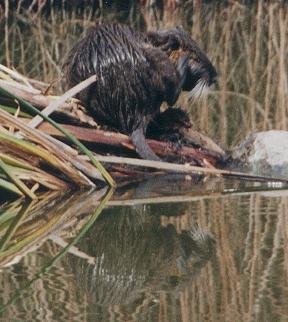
(48, 152)
(283, 84)
(196, 28)
(17, 181)
(42, 49)
(53, 106)
(14, 151)
(224, 76)
(268, 87)
(7, 52)
(255, 62)
(99, 170)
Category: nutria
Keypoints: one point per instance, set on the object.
(169, 125)
(136, 72)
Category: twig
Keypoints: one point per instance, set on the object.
(183, 168)
(54, 105)
(15, 75)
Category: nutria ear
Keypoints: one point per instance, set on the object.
(179, 27)
(166, 40)
(172, 43)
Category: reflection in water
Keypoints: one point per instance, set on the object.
(151, 261)
(14, 244)
(27, 224)
(133, 252)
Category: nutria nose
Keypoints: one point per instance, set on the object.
(213, 77)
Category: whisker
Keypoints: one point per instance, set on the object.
(199, 90)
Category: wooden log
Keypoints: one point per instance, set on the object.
(200, 156)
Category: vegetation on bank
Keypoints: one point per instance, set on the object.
(31, 160)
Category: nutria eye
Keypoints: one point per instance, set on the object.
(194, 58)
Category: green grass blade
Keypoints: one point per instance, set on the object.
(13, 110)
(8, 186)
(20, 185)
(14, 225)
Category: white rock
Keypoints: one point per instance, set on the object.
(265, 153)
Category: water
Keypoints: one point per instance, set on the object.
(167, 250)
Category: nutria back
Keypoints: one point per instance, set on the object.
(135, 72)
(131, 83)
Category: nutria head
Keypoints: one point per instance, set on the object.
(169, 124)
(173, 119)
(201, 74)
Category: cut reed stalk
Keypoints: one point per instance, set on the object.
(53, 106)
(81, 147)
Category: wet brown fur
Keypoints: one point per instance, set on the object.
(136, 72)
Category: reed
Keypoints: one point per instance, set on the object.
(247, 43)
(248, 46)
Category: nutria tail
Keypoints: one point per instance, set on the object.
(142, 148)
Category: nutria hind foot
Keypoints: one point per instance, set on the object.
(142, 148)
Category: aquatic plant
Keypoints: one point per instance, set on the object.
(27, 154)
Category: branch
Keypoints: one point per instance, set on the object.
(202, 156)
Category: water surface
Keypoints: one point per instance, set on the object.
(165, 250)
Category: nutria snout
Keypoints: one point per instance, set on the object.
(136, 72)
(201, 74)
